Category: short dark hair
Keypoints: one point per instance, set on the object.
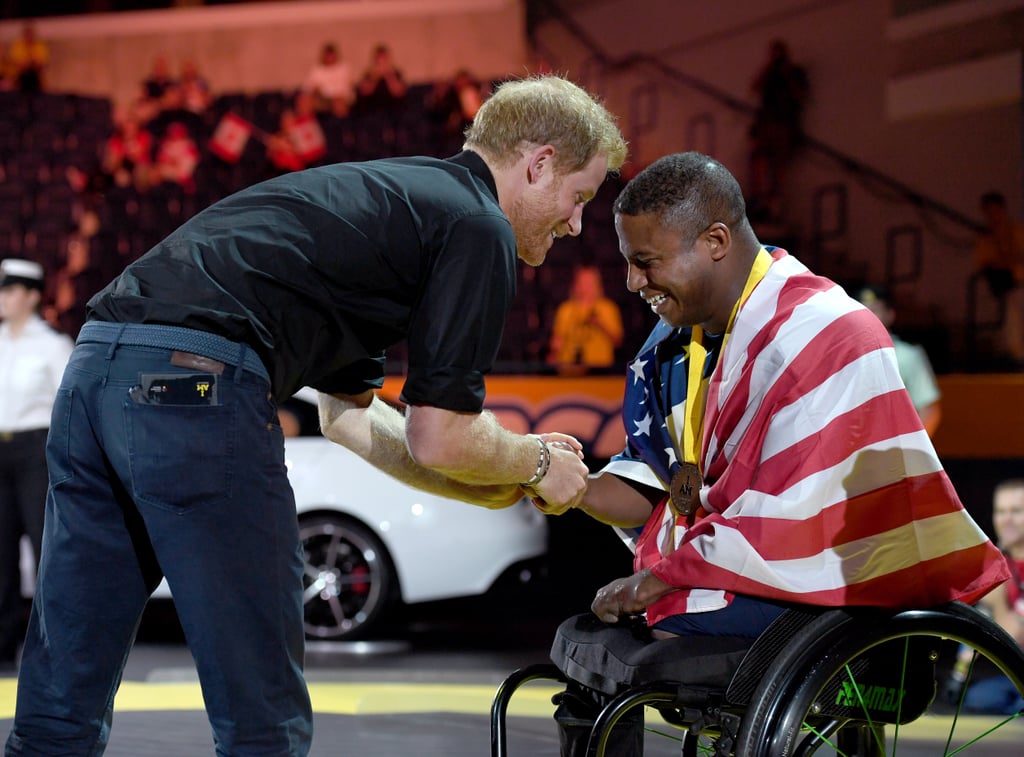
(688, 190)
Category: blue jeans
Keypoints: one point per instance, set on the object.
(745, 616)
(994, 695)
(197, 493)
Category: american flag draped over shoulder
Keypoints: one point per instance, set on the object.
(821, 486)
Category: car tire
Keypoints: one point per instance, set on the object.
(349, 580)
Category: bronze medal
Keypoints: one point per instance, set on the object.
(684, 490)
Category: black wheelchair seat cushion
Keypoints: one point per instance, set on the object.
(612, 658)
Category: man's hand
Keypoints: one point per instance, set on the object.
(557, 441)
(628, 596)
(566, 481)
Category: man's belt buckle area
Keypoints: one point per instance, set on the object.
(6, 436)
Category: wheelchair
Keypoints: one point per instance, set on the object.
(817, 681)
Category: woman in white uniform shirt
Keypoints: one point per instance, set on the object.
(32, 360)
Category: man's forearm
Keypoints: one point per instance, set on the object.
(470, 447)
(376, 432)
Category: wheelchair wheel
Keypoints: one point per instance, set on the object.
(867, 684)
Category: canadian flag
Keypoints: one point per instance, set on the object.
(308, 138)
(230, 137)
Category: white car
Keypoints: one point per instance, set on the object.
(370, 540)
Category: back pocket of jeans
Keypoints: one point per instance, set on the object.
(181, 457)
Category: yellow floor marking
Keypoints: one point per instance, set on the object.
(334, 698)
(532, 700)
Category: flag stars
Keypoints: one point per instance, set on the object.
(638, 370)
(643, 427)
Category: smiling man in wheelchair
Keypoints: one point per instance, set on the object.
(774, 465)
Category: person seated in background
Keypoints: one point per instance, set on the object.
(382, 85)
(27, 58)
(773, 456)
(912, 360)
(87, 269)
(588, 326)
(330, 82)
(156, 91)
(193, 89)
(1005, 603)
(128, 153)
(282, 151)
(453, 103)
(177, 157)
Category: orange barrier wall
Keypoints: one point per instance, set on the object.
(982, 415)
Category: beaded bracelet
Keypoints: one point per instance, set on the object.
(543, 463)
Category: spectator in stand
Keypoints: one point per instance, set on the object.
(128, 154)
(911, 359)
(382, 85)
(782, 89)
(177, 157)
(452, 103)
(588, 326)
(193, 90)
(331, 83)
(159, 79)
(86, 271)
(282, 152)
(1005, 603)
(999, 257)
(156, 89)
(304, 104)
(27, 58)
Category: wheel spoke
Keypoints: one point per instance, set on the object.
(980, 736)
(333, 548)
(968, 675)
(899, 704)
(822, 736)
(312, 572)
(337, 611)
(313, 589)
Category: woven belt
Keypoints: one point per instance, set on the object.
(174, 338)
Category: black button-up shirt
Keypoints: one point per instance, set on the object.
(320, 270)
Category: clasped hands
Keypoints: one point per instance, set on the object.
(565, 483)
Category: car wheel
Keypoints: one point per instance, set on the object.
(348, 578)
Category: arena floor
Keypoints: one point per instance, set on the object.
(393, 699)
(382, 699)
(424, 691)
